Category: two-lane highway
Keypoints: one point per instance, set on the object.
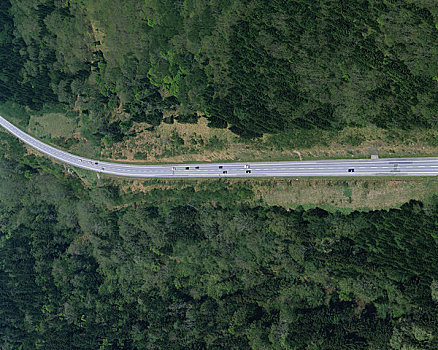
(343, 167)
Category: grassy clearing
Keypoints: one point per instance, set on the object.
(347, 194)
(85, 148)
(355, 142)
(61, 130)
(179, 142)
(52, 125)
(331, 194)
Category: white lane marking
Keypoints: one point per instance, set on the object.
(321, 166)
(275, 175)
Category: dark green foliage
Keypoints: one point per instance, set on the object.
(253, 66)
(282, 65)
(9, 57)
(200, 269)
(191, 118)
(195, 268)
(140, 155)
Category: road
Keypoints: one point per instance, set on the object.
(342, 167)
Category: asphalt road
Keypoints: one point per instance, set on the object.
(343, 167)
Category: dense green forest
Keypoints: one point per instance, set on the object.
(96, 268)
(255, 66)
(205, 270)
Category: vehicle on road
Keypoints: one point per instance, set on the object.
(420, 166)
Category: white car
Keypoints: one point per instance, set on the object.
(246, 166)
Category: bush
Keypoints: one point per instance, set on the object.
(140, 156)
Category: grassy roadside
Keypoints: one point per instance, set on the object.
(348, 194)
(179, 143)
(182, 143)
(333, 194)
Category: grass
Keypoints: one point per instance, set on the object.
(348, 194)
(181, 143)
(177, 143)
(333, 194)
(52, 125)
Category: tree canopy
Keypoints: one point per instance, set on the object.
(187, 269)
(254, 66)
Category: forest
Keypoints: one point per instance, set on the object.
(91, 268)
(253, 66)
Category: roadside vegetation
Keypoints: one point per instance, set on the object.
(289, 71)
(110, 263)
(182, 142)
(332, 194)
(205, 266)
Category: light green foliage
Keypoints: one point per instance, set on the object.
(53, 124)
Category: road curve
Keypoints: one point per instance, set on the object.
(343, 167)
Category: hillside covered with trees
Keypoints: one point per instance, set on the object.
(183, 268)
(255, 66)
(179, 269)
